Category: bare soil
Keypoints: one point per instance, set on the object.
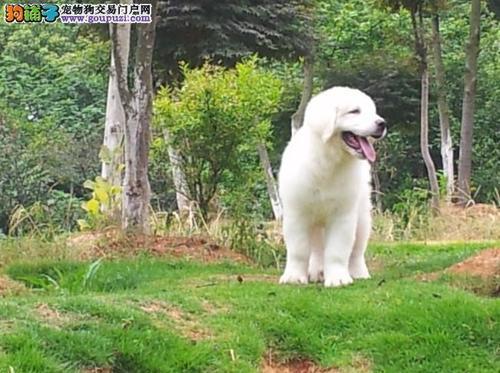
(185, 323)
(50, 315)
(294, 366)
(485, 264)
(111, 245)
(10, 287)
(271, 364)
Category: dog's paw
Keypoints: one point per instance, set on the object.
(338, 277)
(293, 278)
(359, 270)
(316, 275)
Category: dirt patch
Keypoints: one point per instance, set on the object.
(185, 323)
(50, 315)
(360, 364)
(113, 245)
(272, 365)
(486, 265)
(9, 287)
(58, 319)
(479, 273)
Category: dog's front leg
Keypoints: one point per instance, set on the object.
(340, 234)
(317, 245)
(357, 263)
(296, 234)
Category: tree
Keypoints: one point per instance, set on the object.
(112, 148)
(443, 108)
(58, 90)
(468, 104)
(272, 185)
(216, 120)
(179, 179)
(416, 9)
(225, 31)
(298, 116)
(137, 101)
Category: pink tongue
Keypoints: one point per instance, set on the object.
(367, 149)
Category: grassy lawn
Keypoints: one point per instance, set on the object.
(158, 315)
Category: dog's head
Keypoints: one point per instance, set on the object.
(348, 115)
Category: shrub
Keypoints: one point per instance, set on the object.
(56, 214)
(215, 121)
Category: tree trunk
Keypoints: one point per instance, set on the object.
(421, 51)
(112, 147)
(424, 139)
(298, 116)
(138, 103)
(180, 183)
(468, 105)
(444, 111)
(272, 185)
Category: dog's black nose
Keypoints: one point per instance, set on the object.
(381, 125)
(381, 128)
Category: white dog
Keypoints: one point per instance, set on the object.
(325, 188)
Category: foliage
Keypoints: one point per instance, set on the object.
(160, 176)
(378, 60)
(358, 33)
(225, 31)
(53, 86)
(57, 87)
(104, 205)
(25, 162)
(215, 121)
(51, 114)
(56, 214)
(416, 6)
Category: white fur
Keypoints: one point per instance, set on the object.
(325, 190)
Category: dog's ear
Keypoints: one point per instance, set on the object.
(329, 124)
(321, 115)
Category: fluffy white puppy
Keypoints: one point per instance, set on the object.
(324, 184)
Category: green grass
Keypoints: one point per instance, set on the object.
(154, 315)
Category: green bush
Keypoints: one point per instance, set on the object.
(58, 92)
(215, 121)
(103, 208)
(57, 213)
(23, 179)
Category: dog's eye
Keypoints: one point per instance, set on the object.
(355, 111)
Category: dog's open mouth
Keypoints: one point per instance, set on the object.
(360, 145)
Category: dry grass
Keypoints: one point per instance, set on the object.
(32, 248)
(10, 287)
(478, 222)
(185, 323)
